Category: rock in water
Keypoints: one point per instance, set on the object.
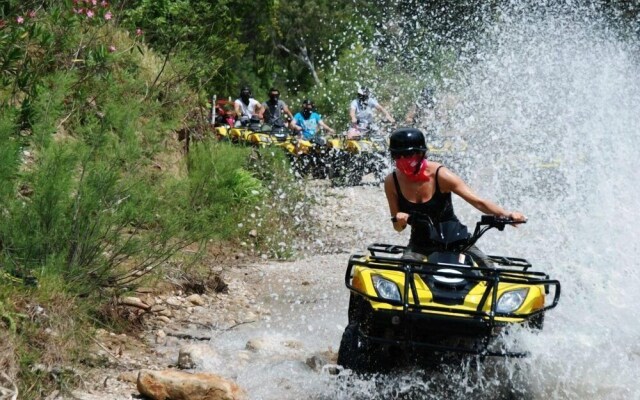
(177, 385)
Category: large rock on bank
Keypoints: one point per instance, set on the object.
(177, 385)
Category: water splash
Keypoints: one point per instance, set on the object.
(549, 103)
(547, 100)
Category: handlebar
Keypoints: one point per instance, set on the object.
(493, 221)
(453, 234)
(498, 222)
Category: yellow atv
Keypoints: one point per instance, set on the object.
(306, 156)
(403, 311)
(361, 152)
(222, 132)
(309, 156)
(267, 135)
(240, 134)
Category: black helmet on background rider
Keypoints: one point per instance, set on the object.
(363, 93)
(307, 108)
(406, 141)
(274, 95)
(245, 93)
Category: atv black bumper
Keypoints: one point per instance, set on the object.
(420, 331)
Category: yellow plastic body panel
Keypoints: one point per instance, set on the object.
(222, 132)
(359, 146)
(303, 146)
(363, 275)
(238, 134)
(286, 146)
(335, 143)
(259, 139)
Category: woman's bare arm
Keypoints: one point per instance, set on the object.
(450, 182)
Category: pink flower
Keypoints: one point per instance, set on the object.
(104, 3)
(108, 15)
(89, 14)
(32, 14)
(112, 49)
(78, 10)
(139, 32)
(94, 2)
(20, 20)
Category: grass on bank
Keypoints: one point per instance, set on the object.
(96, 193)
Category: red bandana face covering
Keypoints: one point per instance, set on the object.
(414, 167)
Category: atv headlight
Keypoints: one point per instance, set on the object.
(386, 288)
(511, 300)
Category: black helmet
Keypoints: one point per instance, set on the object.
(406, 141)
(245, 92)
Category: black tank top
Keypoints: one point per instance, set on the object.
(439, 208)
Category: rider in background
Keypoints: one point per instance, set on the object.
(307, 121)
(224, 114)
(422, 110)
(361, 109)
(418, 186)
(246, 107)
(273, 110)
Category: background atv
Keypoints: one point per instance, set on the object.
(240, 134)
(362, 151)
(310, 157)
(421, 312)
(270, 135)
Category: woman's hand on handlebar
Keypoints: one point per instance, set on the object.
(401, 220)
(516, 216)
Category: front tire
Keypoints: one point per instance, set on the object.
(536, 323)
(354, 350)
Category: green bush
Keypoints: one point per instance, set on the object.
(9, 154)
(96, 192)
(221, 189)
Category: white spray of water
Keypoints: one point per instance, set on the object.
(549, 105)
(554, 102)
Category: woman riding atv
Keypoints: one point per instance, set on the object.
(418, 187)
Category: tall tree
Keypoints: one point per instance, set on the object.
(314, 33)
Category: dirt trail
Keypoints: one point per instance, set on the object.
(279, 321)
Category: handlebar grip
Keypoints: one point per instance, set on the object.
(493, 219)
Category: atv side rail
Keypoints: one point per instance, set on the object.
(509, 270)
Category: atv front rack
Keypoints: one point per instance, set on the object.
(508, 270)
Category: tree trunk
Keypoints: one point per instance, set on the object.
(304, 57)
